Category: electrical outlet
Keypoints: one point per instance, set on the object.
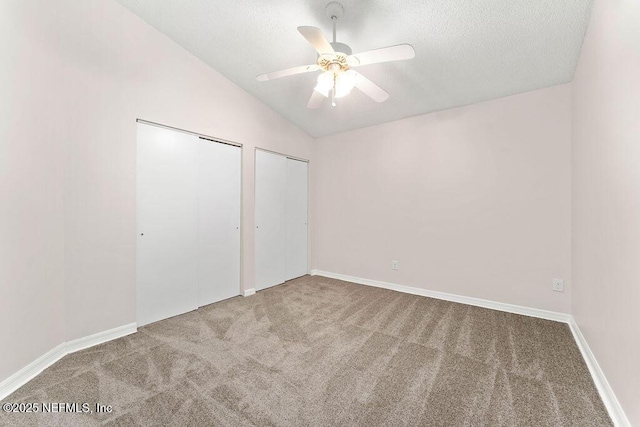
(394, 265)
(558, 285)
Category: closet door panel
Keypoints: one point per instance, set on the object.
(167, 259)
(296, 213)
(219, 175)
(270, 219)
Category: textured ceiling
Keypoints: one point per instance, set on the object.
(467, 51)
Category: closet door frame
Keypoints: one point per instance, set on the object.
(286, 156)
(241, 219)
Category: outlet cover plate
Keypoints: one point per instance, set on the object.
(558, 285)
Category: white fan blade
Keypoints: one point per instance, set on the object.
(315, 37)
(315, 100)
(371, 89)
(385, 54)
(288, 72)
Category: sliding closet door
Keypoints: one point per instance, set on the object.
(297, 202)
(270, 232)
(167, 215)
(218, 221)
(188, 207)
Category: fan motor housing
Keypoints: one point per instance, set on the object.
(334, 62)
(341, 48)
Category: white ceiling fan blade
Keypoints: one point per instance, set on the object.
(288, 72)
(385, 54)
(371, 89)
(316, 100)
(315, 37)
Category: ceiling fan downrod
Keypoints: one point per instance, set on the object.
(334, 11)
(334, 18)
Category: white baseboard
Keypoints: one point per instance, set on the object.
(478, 302)
(100, 337)
(249, 292)
(604, 389)
(607, 395)
(27, 373)
(34, 368)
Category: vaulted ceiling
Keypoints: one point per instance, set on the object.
(467, 51)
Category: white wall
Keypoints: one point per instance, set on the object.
(606, 196)
(472, 201)
(31, 211)
(80, 73)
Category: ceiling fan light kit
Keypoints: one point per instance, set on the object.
(335, 60)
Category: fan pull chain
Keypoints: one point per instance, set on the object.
(333, 91)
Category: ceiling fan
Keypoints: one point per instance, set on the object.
(336, 61)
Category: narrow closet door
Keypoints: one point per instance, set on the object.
(218, 221)
(270, 231)
(167, 259)
(297, 203)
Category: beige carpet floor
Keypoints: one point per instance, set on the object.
(322, 352)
